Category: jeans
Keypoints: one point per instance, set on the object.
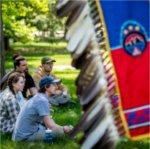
(42, 135)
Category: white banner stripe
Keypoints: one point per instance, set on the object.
(136, 109)
(139, 125)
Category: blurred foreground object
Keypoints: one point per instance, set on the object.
(111, 101)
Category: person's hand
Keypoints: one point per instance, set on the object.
(67, 129)
(58, 92)
(65, 92)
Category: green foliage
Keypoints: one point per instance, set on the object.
(14, 20)
(24, 20)
(54, 23)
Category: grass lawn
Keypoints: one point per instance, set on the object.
(69, 114)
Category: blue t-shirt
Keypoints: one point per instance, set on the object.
(31, 116)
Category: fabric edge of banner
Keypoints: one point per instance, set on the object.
(100, 12)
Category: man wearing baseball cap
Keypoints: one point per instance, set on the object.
(61, 95)
(46, 60)
(44, 70)
(33, 121)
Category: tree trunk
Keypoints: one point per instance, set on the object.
(2, 52)
(6, 43)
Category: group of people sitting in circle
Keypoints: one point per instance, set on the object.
(25, 102)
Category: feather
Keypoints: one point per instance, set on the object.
(85, 36)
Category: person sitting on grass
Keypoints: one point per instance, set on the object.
(61, 95)
(20, 66)
(34, 120)
(11, 102)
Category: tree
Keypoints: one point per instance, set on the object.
(54, 23)
(2, 53)
(22, 19)
(18, 18)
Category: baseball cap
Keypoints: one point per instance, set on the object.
(46, 59)
(47, 81)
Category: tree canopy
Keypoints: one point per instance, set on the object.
(25, 20)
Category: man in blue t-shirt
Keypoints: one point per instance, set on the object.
(33, 121)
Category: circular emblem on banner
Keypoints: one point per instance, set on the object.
(133, 38)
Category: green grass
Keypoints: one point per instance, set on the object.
(51, 45)
(127, 144)
(65, 142)
(69, 114)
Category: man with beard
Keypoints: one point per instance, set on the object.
(61, 95)
(20, 65)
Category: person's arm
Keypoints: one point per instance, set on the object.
(36, 77)
(33, 90)
(61, 89)
(31, 85)
(13, 109)
(58, 92)
(43, 110)
(49, 123)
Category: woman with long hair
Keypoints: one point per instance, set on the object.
(9, 102)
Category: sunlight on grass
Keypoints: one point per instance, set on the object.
(67, 74)
(62, 59)
(34, 62)
(40, 44)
